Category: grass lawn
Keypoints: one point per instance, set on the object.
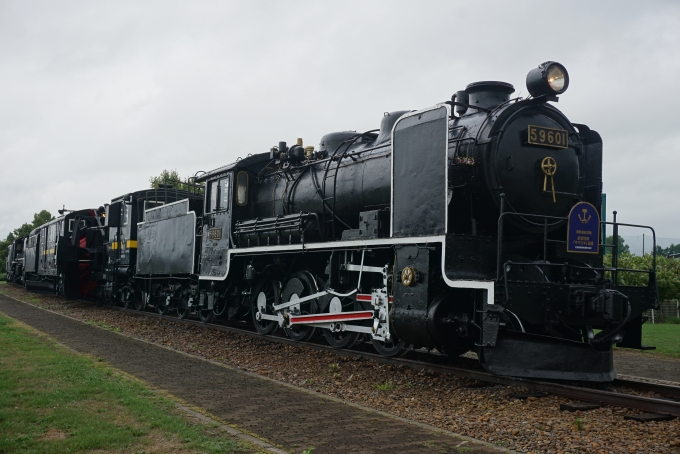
(54, 401)
(665, 336)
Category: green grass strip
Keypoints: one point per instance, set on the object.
(664, 336)
(55, 401)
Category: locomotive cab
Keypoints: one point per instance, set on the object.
(217, 228)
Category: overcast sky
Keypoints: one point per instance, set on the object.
(96, 97)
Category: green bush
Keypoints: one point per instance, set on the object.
(667, 273)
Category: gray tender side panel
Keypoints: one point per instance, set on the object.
(166, 241)
(172, 210)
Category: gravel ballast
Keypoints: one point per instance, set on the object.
(486, 413)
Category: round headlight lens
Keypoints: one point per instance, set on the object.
(557, 79)
(550, 78)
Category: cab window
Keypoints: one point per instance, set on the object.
(219, 192)
(225, 190)
(211, 198)
(242, 188)
(71, 224)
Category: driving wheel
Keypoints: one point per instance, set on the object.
(342, 339)
(268, 294)
(299, 285)
(392, 347)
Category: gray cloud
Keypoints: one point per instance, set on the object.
(97, 97)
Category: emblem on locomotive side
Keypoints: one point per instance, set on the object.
(408, 276)
(549, 167)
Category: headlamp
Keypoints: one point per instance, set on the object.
(550, 78)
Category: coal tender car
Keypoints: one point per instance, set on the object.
(149, 256)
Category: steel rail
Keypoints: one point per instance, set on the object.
(617, 399)
(657, 388)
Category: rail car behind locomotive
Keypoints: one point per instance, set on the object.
(62, 254)
(14, 266)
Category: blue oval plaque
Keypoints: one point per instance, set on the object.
(583, 232)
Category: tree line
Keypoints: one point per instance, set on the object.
(673, 249)
(170, 178)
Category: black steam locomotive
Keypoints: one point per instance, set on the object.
(470, 225)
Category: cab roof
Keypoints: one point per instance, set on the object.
(253, 162)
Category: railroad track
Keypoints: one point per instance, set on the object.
(667, 405)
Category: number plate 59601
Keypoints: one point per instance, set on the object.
(547, 137)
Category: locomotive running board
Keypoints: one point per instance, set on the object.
(534, 356)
